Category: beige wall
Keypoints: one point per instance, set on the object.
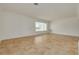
(16, 25)
(69, 26)
(1, 26)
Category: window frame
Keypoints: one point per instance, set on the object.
(42, 26)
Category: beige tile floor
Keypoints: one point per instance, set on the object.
(46, 44)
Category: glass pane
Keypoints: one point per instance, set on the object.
(40, 26)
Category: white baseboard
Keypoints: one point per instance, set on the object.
(18, 36)
(75, 35)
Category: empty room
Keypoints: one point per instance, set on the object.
(39, 28)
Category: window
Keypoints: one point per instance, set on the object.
(40, 26)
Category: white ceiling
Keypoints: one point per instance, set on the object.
(48, 11)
